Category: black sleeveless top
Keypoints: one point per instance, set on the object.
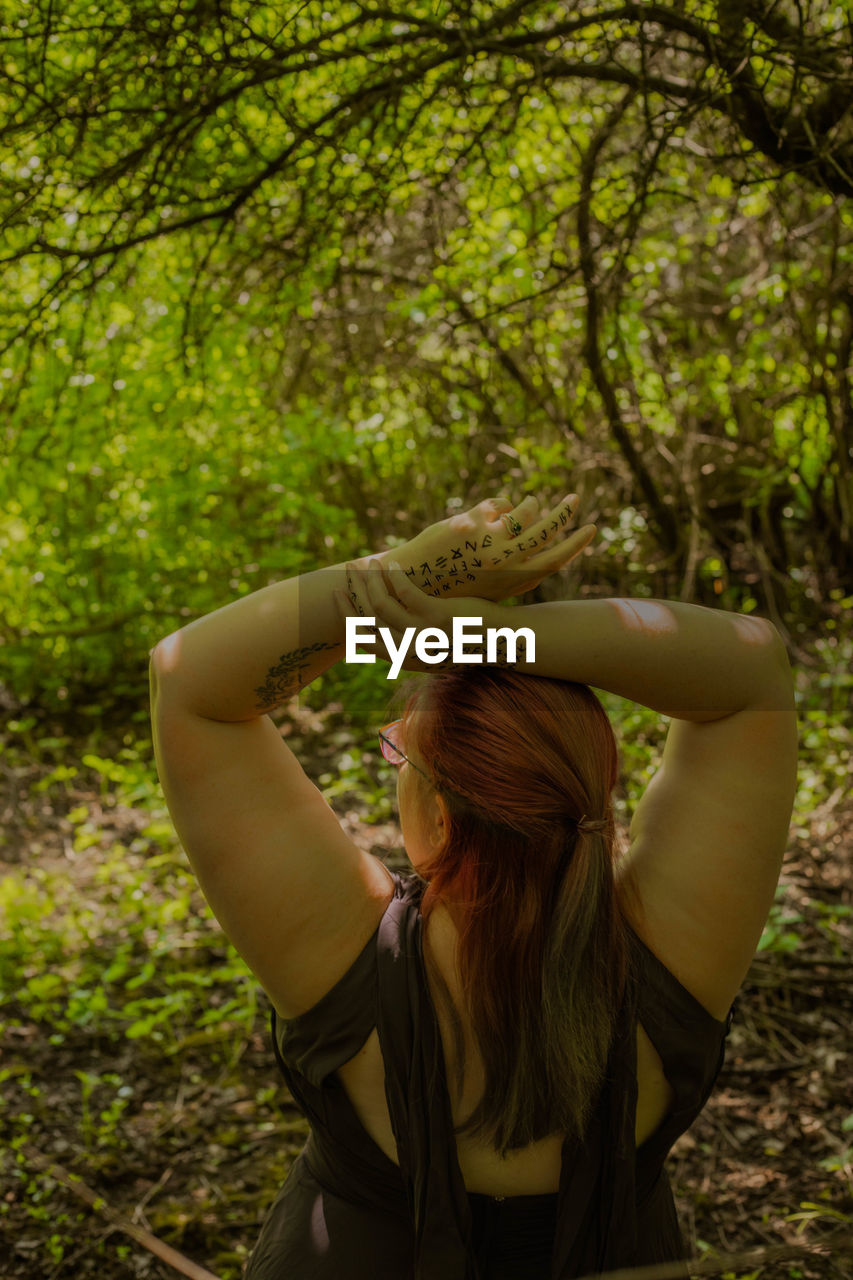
(347, 1212)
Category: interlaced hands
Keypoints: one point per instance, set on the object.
(454, 567)
(480, 553)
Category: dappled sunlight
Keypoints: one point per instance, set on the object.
(656, 617)
(98, 897)
(753, 631)
(651, 616)
(168, 652)
(547, 306)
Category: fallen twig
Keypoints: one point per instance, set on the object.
(73, 1182)
(729, 1261)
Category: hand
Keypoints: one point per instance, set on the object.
(395, 606)
(474, 554)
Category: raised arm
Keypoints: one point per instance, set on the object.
(292, 890)
(681, 660)
(708, 835)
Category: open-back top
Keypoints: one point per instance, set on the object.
(348, 1212)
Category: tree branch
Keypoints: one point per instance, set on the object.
(72, 1182)
(592, 341)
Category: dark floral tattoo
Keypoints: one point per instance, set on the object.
(286, 678)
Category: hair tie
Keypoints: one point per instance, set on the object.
(586, 824)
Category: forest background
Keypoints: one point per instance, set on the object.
(283, 283)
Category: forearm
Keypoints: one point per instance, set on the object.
(681, 660)
(250, 656)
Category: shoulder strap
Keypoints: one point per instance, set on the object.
(687, 1037)
(596, 1215)
(418, 1102)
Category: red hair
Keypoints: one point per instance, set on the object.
(542, 947)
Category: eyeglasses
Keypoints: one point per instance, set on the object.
(388, 737)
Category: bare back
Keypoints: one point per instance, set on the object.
(706, 844)
(535, 1169)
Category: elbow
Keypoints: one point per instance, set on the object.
(163, 658)
(155, 671)
(775, 667)
(164, 681)
(784, 668)
(760, 634)
(776, 648)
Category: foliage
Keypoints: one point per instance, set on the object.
(282, 287)
(497, 246)
(71, 968)
(109, 959)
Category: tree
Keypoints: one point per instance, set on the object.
(504, 217)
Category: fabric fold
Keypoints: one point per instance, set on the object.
(348, 1212)
(418, 1101)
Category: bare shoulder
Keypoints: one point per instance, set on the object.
(296, 895)
(707, 841)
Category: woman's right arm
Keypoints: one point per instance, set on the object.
(682, 660)
(708, 834)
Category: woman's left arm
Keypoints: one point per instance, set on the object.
(247, 658)
(296, 896)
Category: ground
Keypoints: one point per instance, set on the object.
(134, 1050)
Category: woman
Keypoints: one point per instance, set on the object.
(496, 1052)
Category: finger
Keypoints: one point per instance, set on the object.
(344, 605)
(557, 521)
(348, 610)
(562, 553)
(390, 609)
(401, 584)
(523, 512)
(502, 502)
(417, 608)
(381, 651)
(378, 605)
(513, 522)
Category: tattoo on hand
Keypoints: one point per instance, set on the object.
(440, 577)
(285, 678)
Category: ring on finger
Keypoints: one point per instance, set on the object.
(513, 527)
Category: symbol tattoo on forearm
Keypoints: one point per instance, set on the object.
(285, 678)
(501, 652)
(353, 597)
